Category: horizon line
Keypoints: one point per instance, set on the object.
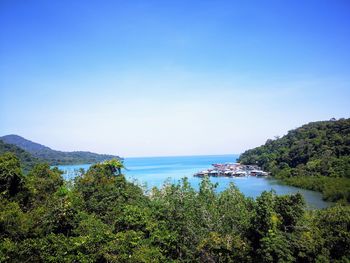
(186, 155)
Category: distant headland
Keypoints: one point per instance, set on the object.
(54, 157)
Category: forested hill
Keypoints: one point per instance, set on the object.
(54, 157)
(309, 157)
(27, 160)
(317, 148)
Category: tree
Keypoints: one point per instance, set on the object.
(11, 179)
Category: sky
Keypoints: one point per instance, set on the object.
(163, 78)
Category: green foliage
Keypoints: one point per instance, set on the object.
(27, 160)
(104, 218)
(104, 191)
(333, 189)
(334, 226)
(308, 157)
(290, 209)
(43, 182)
(11, 179)
(13, 221)
(274, 247)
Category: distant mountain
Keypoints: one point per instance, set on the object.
(25, 144)
(27, 160)
(54, 157)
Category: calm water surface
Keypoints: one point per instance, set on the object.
(155, 171)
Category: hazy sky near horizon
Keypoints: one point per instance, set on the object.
(153, 78)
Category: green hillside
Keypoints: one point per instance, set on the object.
(54, 157)
(315, 156)
(27, 160)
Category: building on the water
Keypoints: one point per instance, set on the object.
(232, 170)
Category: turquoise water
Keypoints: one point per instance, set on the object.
(155, 171)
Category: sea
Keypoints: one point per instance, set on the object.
(151, 172)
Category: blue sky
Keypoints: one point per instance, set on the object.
(151, 78)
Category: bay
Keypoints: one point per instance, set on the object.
(155, 171)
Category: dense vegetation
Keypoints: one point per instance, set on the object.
(54, 157)
(103, 218)
(315, 156)
(27, 160)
